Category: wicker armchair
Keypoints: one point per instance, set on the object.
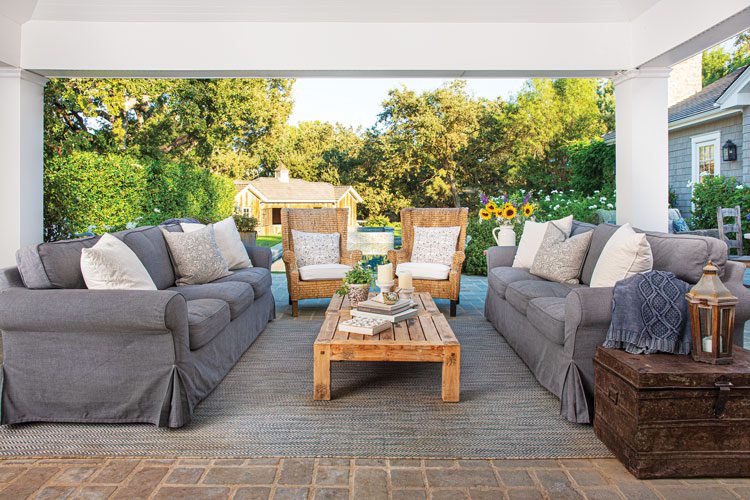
(434, 217)
(313, 220)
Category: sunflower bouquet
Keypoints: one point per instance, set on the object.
(505, 211)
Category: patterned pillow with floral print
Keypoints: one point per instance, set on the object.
(435, 245)
(316, 248)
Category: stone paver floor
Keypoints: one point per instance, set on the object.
(344, 478)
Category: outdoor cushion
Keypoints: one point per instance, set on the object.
(547, 314)
(316, 248)
(196, 256)
(112, 265)
(424, 271)
(206, 319)
(228, 239)
(626, 254)
(54, 265)
(149, 245)
(317, 272)
(532, 236)
(239, 296)
(501, 277)
(519, 293)
(257, 277)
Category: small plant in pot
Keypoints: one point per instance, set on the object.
(246, 225)
(356, 284)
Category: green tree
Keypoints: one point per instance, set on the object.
(718, 63)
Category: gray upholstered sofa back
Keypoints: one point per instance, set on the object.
(57, 264)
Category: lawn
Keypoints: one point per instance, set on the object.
(268, 241)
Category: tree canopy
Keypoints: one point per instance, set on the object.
(719, 62)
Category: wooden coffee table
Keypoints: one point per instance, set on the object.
(427, 338)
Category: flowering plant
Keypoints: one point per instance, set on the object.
(505, 211)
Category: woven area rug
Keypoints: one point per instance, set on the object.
(264, 407)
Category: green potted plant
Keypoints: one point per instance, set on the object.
(356, 284)
(246, 225)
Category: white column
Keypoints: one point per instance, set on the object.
(21, 160)
(642, 172)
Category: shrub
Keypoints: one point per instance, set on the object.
(481, 239)
(592, 166)
(101, 193)
(718, 191)
(377, 221)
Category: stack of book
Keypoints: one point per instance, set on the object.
(374, 309)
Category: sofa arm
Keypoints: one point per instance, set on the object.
(136, 311)
(588, 307)
(260, 256)
(500, 257)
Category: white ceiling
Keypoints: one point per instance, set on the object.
(463, 11)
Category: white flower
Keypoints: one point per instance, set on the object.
(596, 192)
(523, 191)
(602, 199)
(592, 207)
(546, 198)
(740, 186)
(556, 207)
(610, 206)
(555, 191)
(131, 225)
(157, 210)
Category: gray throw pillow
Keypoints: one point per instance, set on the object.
(196, 256)
(561, 259)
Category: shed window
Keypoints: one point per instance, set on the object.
(275, 216)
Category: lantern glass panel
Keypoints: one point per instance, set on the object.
(724, 330)
(705, 322)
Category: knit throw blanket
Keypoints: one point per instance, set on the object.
(650, 314)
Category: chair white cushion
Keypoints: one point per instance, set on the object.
(316, 248)
(112, 265)
(425, 270)
(435, 245)
(625, 254)
(532, 237)
(319, 272)
(229, 241)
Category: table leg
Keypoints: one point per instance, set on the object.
(322, 372)
(452, 374)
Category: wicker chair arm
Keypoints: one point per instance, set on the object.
(458, 261)
(397, 256)
(351, 257)
(290, 260)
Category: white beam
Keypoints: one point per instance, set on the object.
(10, 42)
(21, 160)
(642, 171)
(57, 48)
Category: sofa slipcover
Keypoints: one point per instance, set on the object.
(547, 314)
(259, 278)
(519, 293)
(206, 319)
(500, 277)
(239, 296)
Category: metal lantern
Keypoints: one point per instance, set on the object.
(711, 318)
(729, 151)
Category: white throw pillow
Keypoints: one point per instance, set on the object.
(111, 265)
(532, 237)
(626, 253)
(229, 242)
(316, 248)
(435, 245)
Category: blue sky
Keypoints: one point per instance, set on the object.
(357, 101)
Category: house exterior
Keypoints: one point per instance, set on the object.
(264, 197)
(701, 122)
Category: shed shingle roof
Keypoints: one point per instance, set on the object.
(273, 190)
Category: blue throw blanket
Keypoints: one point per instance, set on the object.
(650, 314)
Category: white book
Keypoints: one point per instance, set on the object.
(393, 318)
(364, 326)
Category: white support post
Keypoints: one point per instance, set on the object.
(642, 171)
(21, 160)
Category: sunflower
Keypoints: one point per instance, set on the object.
(528, 209)
(509, 211)
(485, 214)
(491, 207)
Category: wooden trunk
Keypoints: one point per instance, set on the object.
(666, 415)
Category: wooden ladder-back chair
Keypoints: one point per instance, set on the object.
(732, 228)
(313, 220)
(434, 217)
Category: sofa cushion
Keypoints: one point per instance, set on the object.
(599, 239)
(519, 293)
(424, 271)
(259, 278)
(54, 265)
(318, 272)
(547, 314)
(501, 277)
(238, 295)
(206, 318)
(685, 255)
(112, 265)
(150, 247)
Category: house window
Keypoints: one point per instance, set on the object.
(706, 155)
(276, 216)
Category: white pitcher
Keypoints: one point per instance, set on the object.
(504, 235)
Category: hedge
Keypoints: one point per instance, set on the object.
(88, 192)
(592, 166)
(718, 191)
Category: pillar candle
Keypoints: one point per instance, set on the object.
(385, 273)
(405, 280)
(706, 344)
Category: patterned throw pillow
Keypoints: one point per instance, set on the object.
(316, 248)
(435, 245)
(560, 259)
(680, 226)
(196, 256)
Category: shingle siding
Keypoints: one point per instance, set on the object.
(680, 154)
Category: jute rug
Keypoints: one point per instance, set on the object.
(264, 407)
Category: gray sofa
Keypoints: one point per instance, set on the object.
(78, 355)
(556, 328)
